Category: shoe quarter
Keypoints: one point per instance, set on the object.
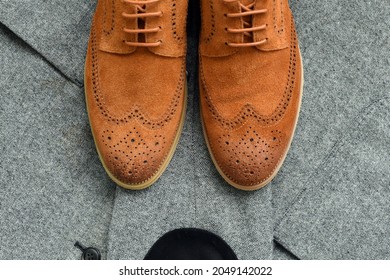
(214, 37)
(278, 21)
(110, 23)
(172, 25)
(109, 11)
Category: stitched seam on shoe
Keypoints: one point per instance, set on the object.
(292, 68)
(224, 170)
(282, 14)
(206, 96)
(174, 23)
(135, 112)
(212, 22)
(281, 29)
(112, 10)
(165, 156)
(248, 110)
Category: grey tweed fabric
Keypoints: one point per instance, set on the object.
(330, 199)
(344, 210)
(346, 53)
(58, 30)
(53, 191)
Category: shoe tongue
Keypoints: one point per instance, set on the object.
(247, 2)
(247, 19)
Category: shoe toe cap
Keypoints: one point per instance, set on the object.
(248, 158)
(133, 158)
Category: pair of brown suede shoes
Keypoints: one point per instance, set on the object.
(250, 87)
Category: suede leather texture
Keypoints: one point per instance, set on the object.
(250, 96)
(135, 95)
(328, 201)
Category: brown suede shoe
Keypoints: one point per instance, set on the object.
(251, 82)
(135, 86)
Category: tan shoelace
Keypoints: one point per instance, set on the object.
(140, 15)
(246, 12)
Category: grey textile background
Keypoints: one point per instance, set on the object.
(52, 189)
(354, 184)
(346, 52)
(329, 200)
(58, 30)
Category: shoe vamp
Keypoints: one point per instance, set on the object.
(139, 80)
(257, 78)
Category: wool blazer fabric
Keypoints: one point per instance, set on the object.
(330, 200)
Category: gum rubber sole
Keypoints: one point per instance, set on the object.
(281, 161)
(165, 163)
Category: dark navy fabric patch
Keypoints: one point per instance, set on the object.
(190, 244)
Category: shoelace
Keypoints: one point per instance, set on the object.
(246, 13)
(141, 14)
